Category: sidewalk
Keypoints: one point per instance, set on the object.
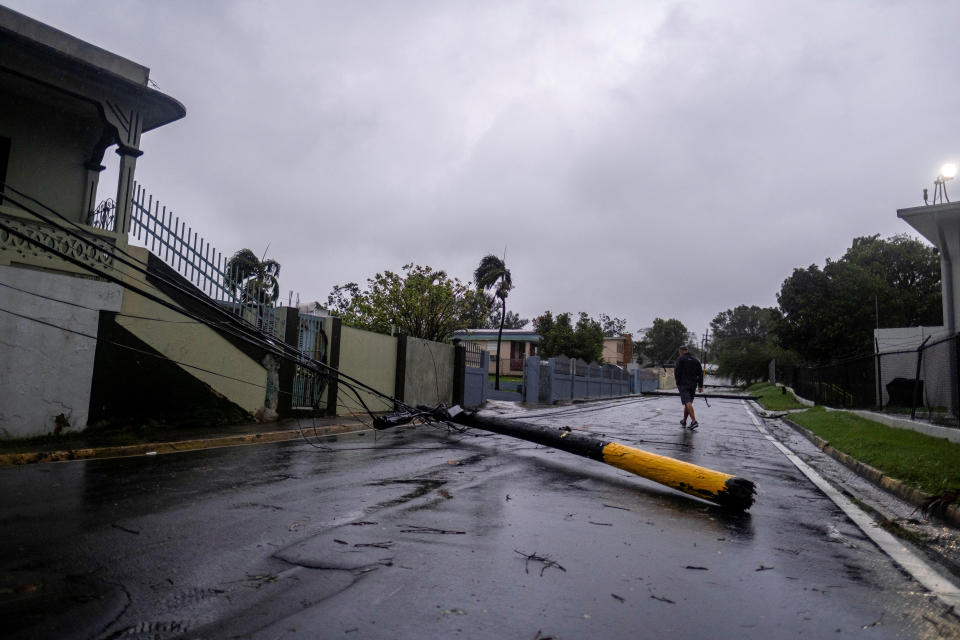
(172, 440)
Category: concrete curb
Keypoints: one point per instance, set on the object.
(157, 448)
(950, 515)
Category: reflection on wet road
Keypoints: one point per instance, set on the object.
(421, 533)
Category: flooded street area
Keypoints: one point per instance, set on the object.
(422, 532)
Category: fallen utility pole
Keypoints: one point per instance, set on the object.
(723, 489)
(722, 396)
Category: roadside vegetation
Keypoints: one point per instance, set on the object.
(775, 398)
(930, 464)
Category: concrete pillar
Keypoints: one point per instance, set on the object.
(128, 167)
(400, 379)
(288, 369)
(459, 373)
(531, 377)
(333, 386)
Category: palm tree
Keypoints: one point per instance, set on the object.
(254, 279)
(493, 274)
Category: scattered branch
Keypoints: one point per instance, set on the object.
(414, 528)
(547, 562)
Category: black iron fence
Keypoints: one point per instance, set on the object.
(172, 240)
(922, 382)
(475, 353)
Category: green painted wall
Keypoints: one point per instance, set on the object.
(194, 344)
(371, 358)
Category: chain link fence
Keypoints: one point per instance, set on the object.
(922, 383)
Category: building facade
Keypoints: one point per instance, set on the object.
(618, 350)
(85, 333)
(515, 346)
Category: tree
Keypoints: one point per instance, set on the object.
(558, 336)
(744, 342)
(421, 303)
(511, 321)
(909, 270)
(661, 342)
(831, 313)
(480, 311)
(254, 280)
(736, 328)
(492, 273)
(612, 327)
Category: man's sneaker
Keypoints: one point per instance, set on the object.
(683, 423)
(694, 425)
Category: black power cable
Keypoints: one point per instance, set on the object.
(233, 327)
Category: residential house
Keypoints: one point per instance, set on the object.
(618, 350)
(79, 345)
(516, 345)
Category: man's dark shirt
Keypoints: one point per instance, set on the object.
(688, 372)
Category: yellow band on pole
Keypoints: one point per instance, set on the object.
(728, 491)
(683, 476)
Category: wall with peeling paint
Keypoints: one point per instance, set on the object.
(45, 371)
(429, 373)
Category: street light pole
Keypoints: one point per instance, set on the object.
(947, 172)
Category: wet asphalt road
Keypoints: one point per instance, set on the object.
(419, 533)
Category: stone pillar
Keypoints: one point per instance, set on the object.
(128, 166)
(126, 124)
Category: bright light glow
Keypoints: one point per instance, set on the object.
(948, 171)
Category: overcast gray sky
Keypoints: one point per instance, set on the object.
(641, 159)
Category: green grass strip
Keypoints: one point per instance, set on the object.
(927, 463)
(773, 398)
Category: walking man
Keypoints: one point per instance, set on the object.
(688, 372)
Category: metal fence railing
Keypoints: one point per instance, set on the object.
(308, 383)
(475, 353)
(172, 240)
(922, 382)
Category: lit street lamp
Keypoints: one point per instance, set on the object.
(947, 172)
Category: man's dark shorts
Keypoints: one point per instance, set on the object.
(686, 394)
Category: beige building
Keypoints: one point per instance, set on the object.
(515, 346)
(618, 350)
(77, 342)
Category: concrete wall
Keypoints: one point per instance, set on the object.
(45, 371)
(429, 373)
(370, 358)
(199, 348)
(49, 146)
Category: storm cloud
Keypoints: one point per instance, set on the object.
(639, 159)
